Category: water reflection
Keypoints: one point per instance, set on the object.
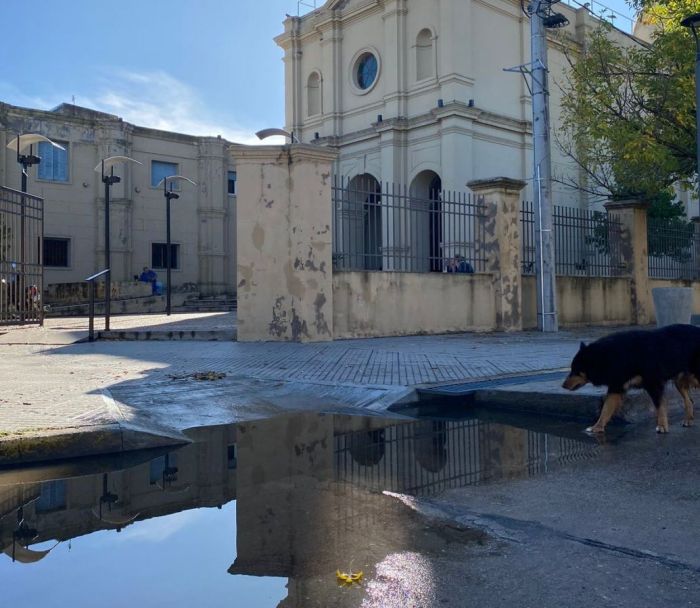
(307, 491)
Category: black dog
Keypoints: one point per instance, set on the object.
(640, 358)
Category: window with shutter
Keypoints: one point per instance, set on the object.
(159, 251)
(160, 170)
(54, 162)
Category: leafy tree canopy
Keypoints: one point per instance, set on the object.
(629, 108)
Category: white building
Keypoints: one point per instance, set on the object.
(203, 219)
(414, 92)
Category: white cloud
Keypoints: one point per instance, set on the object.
(150, 99)
(161, 528)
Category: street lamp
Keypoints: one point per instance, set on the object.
(21, 143)
(265, 133)
(169, 195)
(693, 22)
(108, 179)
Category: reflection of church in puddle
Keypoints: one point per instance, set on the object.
(307, 488)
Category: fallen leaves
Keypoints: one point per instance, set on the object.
(200, 376)
(345, 578)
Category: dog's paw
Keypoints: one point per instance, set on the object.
(687, 423)
(593, 430)
(661, 429)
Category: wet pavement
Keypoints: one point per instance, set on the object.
(127, 390)
(263, 513)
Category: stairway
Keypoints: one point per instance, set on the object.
(221, 303)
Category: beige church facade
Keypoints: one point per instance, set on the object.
(203, 218)
(414, 92)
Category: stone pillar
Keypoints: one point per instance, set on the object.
(633, 254)
(284, 242)
(501, 232)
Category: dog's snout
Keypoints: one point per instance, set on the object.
(573, 381)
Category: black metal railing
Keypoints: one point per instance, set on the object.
(586, 243)
(391, 228)
(673, 246)
(91, 306)
(428, 456)
(21, 257)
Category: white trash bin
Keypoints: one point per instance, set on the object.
(672, 305)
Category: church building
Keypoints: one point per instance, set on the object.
(415, 92)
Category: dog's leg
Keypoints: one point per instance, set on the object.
(683, 385)
(662, 417)
(656, 392)
(612, 402)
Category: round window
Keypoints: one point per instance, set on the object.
(366, 71)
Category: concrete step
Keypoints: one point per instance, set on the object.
(193, 309)
(208, 304)
(136, 335)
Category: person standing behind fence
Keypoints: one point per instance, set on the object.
(459, 264)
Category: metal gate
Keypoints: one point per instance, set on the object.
(21, 257)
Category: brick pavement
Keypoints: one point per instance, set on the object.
(83, 385)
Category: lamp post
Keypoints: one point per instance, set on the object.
(106, 169)
(24, 145)
(265, 133)
(693, 22)
(170, 195)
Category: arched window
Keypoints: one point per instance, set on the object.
(314, 94)
(428, 223)
(425, 62)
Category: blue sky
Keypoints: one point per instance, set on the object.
(204, 67)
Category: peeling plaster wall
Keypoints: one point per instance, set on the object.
(583, 301)
(284, 271)
(393, 304)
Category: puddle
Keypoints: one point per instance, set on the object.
(259, 513)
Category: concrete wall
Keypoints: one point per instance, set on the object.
(202, 219)
(73, 293)
(397, 303)
(285, 289)
(368, 304)
(583, 301)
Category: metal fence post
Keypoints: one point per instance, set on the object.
(91, 331)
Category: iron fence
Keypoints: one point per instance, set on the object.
(673, 246)
(586, 243)
(391, 228)
(21, 257)
(428, 456)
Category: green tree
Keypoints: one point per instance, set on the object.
(629, 109)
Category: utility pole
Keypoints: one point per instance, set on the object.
(541, 18)
(693, 23)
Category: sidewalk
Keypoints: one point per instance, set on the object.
(153, 387)
(66, 330)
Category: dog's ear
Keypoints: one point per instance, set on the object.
(582, 347)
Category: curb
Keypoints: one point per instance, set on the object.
(77, 442)
(584, 408)
(175, 335)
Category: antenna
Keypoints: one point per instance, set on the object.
(308, 4)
